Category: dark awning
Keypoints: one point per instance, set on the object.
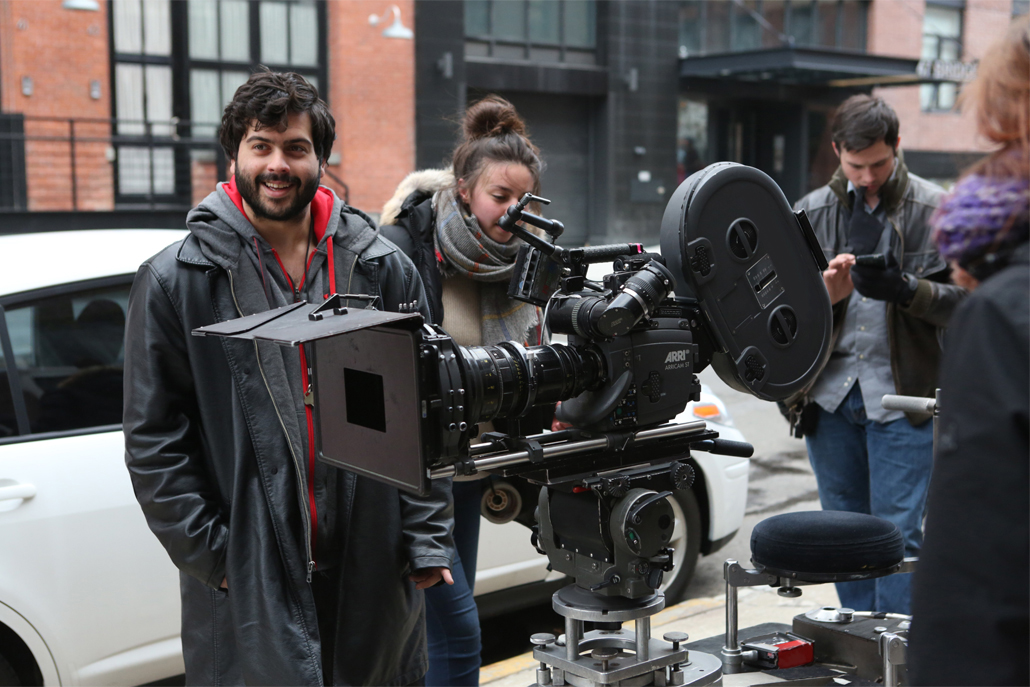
(807, 67)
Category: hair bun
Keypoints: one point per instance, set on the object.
(491, 117)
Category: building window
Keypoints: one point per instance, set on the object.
(160, 84)
(535, 30)
(143, 97)
(227, 38)
(942, 40)
(746, 30)
(712, 27)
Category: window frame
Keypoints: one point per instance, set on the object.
(527, 45)
(738, 17)
(181, 138)
(319, 71)
(956, 6)
(10, 366)
(147, 140)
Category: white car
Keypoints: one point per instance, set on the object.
(87, 594)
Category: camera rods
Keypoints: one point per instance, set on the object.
(601, 443)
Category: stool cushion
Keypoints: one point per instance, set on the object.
(824, 546)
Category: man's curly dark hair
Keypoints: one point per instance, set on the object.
(269, 98)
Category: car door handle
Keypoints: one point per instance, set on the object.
(17, 491)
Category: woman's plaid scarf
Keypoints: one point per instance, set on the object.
(464, 250)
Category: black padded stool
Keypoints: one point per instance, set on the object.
(811, 547)
(827, 546)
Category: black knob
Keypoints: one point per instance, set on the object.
(683, 476)
(618, 486)
(654, 577)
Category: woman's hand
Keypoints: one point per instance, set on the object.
(556, 424)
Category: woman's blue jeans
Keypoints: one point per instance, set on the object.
(452, 620)
(882, 469)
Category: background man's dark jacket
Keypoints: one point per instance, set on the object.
(213, 454)
(971, 593)
(914, 330)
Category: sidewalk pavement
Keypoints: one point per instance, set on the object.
(700, 618)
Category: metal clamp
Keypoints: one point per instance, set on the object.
(894, 650)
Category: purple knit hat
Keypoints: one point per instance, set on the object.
(982, 215)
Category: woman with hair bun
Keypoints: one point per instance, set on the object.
(446, 222)
(971, 593)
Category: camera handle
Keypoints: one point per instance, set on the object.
(516, 213)
(563, 256)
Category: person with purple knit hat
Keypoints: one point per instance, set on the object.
(971, 593)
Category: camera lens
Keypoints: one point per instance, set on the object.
(638, 298)
(507, 379)
(594, 317)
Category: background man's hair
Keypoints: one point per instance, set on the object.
(269, 98)
(862, 121)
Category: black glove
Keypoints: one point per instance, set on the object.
(864, 230)
(887, 284)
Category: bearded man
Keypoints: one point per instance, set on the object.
(292, 572)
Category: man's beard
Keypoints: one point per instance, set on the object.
(248, 188)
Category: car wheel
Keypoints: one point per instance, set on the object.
(685, 543)
(8, 678)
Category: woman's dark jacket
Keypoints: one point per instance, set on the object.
(971, 593)
(212, 447)
(412, 231)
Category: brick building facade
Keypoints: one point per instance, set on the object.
(49, 58)
(112, 105)
(896, 28)
(57, 61)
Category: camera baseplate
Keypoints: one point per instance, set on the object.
(611, 655)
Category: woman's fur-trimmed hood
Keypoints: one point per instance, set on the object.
(427, 181)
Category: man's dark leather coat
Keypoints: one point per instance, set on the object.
(213, 450)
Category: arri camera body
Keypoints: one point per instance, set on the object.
(737, 285)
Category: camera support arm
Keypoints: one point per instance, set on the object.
(570, 448)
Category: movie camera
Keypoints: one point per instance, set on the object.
(737, 285)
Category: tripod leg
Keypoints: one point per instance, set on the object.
(731, 657)
(573, 635)
(643, 633)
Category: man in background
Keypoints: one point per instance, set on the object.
(889, 306)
